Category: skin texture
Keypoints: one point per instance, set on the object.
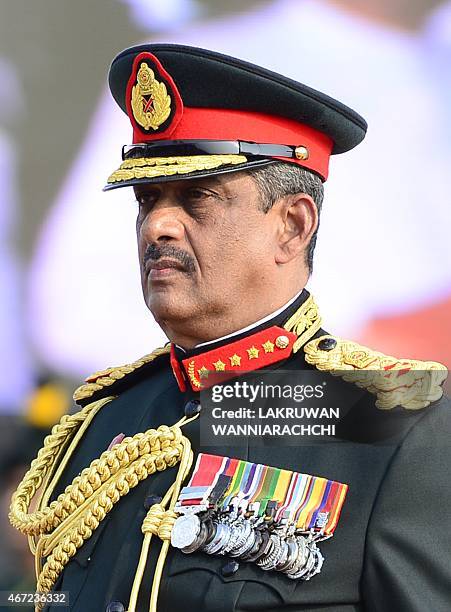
(235, 264)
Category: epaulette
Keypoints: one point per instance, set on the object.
(409, 383)
(105, 378)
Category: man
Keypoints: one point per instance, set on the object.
(227, 165)
(408, 60)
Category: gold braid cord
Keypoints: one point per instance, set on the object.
(39, 471)
(408, 383)
(68, 521)
(105, 378)
(305, 322)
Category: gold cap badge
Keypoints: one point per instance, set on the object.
(154, 104)
(151, 103)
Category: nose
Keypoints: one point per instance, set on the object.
(163, 222)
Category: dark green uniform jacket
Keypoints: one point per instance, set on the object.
(391, 549)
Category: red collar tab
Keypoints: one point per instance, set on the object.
(154, 105)
(246, 355)
(177, 369)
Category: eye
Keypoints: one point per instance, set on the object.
(196, 193)
(147, 198)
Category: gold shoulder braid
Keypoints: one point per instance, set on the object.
(409, 383)
(105, 378)
(305, 322)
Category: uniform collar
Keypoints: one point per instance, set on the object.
(264, 343)
(249, 328)
(277, 318)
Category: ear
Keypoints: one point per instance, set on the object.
(298, 222)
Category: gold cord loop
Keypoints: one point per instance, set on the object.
(63, 526)
(159, 522)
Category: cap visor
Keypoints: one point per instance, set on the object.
(136, 171)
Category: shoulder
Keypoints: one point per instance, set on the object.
(115, 379)
(395, 381)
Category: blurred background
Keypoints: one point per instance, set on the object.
(70, 294)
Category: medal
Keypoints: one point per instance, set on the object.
(258, 514)
(185, 531)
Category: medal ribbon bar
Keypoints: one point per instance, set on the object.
(258, 513)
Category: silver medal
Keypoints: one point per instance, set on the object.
(246, 540)
(185, 531)
(220, 538)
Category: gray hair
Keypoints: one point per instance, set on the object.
(280, 179)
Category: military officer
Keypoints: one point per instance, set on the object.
(228, 163)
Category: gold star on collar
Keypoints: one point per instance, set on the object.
(253, 352)
(235, 360)
(203, 372)
(268, 346)
(219, 366)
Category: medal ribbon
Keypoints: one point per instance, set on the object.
(252, 482)
(321, 509)
(282, 486)
(311, 501)
(205, 476)
(333, 506)
(236, 483)
(296, 491)
(308, 502)
(267, 490)
(326, 497)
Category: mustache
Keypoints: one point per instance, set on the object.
(155, 252)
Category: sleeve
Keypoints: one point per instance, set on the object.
(407, 565)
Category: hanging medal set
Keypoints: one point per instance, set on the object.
(257, 513)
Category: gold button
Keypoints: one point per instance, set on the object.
(282, 342)
(301, 152)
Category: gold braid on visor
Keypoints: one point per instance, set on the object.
(152, 167)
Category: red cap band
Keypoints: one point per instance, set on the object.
(226, 124)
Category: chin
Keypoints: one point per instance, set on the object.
(167, 309)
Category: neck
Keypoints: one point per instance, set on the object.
(211, 328)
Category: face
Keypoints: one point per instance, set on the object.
(204, 248)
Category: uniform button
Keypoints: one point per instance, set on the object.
(327, 344)
(230, 568)
(151, 500)
(192, 408)
(301, 153)
(115, 606)
(282, 342)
